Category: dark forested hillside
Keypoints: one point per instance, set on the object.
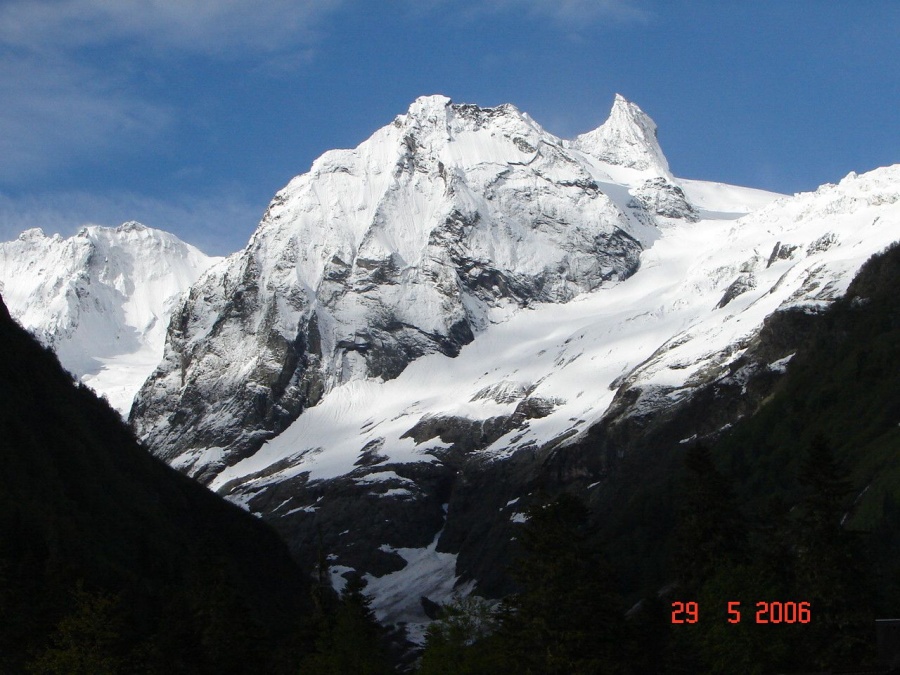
(843, 385)
(813, 470)
(795, 506)
(112, 562)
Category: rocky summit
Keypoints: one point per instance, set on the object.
(397, 249)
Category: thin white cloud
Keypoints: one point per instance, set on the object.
(565, 14)
(54, 110)
(215, 28)
(573, 13)
(70, 84)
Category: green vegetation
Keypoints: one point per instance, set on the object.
(349, 640)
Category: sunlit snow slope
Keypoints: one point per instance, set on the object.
(702, 292)
(400, 248)
(101, 299)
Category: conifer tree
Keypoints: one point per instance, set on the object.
(462, 640)
(711, 544)
(87, 641)
(351, 640)
(711, 531)
(228, 634)
(568, 617)
(830, 565)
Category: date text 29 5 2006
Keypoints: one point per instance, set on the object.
(766, 612)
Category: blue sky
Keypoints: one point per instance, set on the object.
(190, 115)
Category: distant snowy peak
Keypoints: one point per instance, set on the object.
(101, 298)
(628, 139)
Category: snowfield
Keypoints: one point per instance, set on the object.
(661, 327)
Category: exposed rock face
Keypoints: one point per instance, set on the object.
(555, 396)
(660, 197)
(380, 255)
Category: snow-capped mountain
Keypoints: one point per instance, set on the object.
(400, 248)
(101, 299)
(423, 324)
(541, 378)
(547, 373)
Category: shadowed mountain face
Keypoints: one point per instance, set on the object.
(463, 305)
(837, 374)
(100, 540)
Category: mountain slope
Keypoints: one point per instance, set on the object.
(426, 326)
(435, 460)
(84, 509)
(796, 378)
(101, 299)
(844, 384)
(402, 247)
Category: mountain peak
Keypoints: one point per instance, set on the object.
(427, 104)
(132, 226)
(31, 234)
(102, 295)
(627, 138)
(438, 110)
(426, 110)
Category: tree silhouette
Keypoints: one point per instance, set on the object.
(568, 617)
